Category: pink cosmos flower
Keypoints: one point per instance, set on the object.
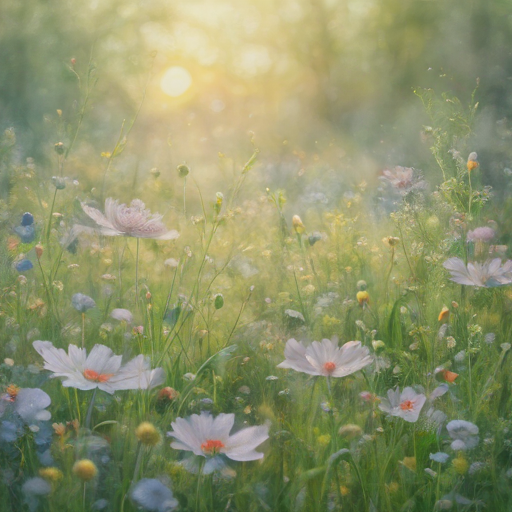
(402, 179)
(407, 404)
(490, 274)
(482, 234)
(208, 437)
(134, 220)
(326, 358)
(100, 369)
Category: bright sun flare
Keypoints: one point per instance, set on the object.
(176, 81)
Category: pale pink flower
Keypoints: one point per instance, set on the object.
(100, 369)
(407, 404)
(402, 179)
(490, 274)
(326, 358)
(482, 234)
(134, 220)
(208, 437)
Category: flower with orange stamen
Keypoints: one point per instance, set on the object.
(326, 358)
(100, 369)
(209, 437)
(407, 404)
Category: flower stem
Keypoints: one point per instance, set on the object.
(83, 330)
(185, 197)
(89, 410)
(199, 475)
(137, 274)
(138, 461)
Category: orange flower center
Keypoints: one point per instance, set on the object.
(406, 405)
(329, 367)
(212, 447)
(97, 377)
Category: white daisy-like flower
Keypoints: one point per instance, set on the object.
(100, 369)
(326, 358)
(490, 274)
(208, 437)
(137, 374)
(406, 404)
(133, 220)
(464, 434)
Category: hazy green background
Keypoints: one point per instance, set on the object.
(322, 83)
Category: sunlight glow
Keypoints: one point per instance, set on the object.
(176, 81)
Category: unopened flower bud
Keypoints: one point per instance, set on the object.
(298, 226)
(183, 170)
(59, 148)
(39, 250)
(147, 434)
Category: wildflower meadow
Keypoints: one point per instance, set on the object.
(232, 279)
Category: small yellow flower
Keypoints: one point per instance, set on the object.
(324, 439)
(460, 464)
(147, 434)
(409, 463)
(363, 297)
(298, 226)
(85, 469)
(51, 474)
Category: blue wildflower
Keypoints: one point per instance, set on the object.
(27, 219)
(27, 234)
(24, 265)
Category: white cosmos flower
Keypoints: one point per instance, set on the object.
(407, 404)
(134, 220)
(490, 274)
(137, 374)
(206, 436)
(100, 369)
(326, 358)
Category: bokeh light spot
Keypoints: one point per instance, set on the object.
(176, 81)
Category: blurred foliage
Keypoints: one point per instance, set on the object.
(309, 77)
